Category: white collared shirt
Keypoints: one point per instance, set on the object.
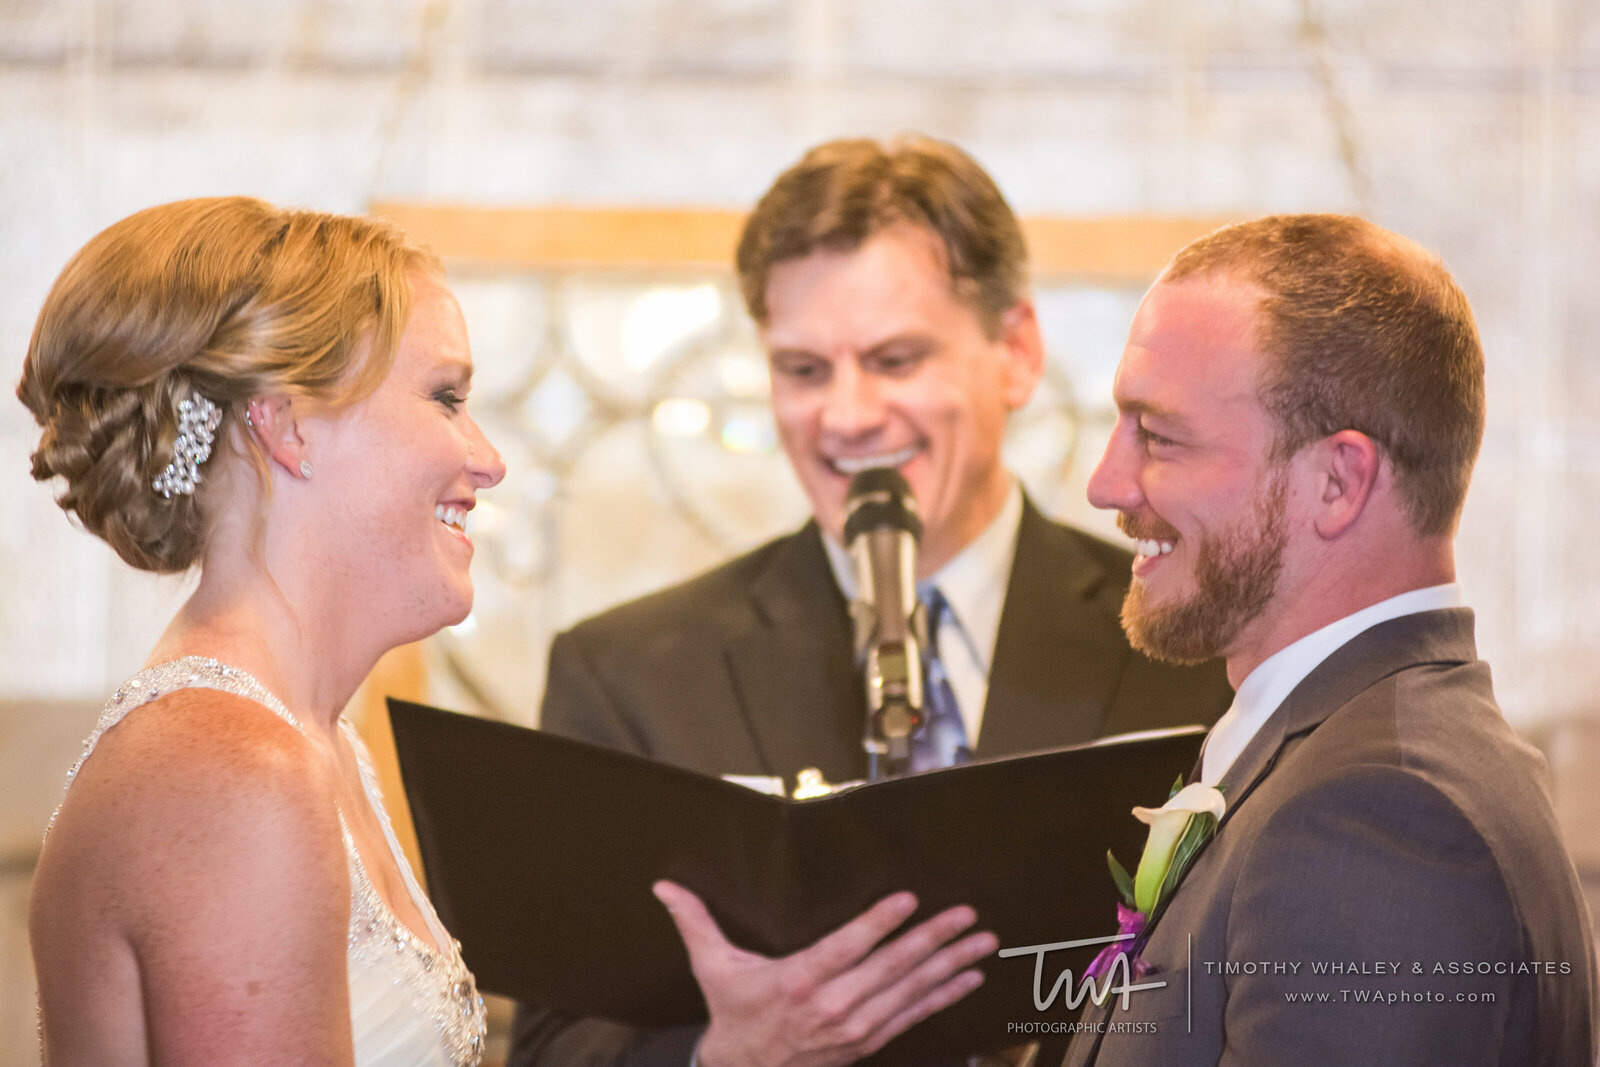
(1276, 676)
(974, 585)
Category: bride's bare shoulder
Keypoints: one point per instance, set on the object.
(204, 745)
(196, 788)
(197, 874)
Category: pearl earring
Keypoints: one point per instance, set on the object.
(305, 469)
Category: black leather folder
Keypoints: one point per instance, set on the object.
(540, 853)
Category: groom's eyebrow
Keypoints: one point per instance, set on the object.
(1143, 409)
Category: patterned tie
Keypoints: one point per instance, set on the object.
(942, 740)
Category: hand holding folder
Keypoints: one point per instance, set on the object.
(835, 1001)
(541, 852)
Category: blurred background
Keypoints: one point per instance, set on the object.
(535, 141)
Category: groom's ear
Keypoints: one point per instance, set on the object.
(1347, 465)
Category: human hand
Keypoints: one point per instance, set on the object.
(842, 998)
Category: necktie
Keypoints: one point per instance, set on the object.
(942, 739)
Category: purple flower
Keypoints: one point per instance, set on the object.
(1128, 922)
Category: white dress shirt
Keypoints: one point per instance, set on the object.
(1276, 676)
(974, 585)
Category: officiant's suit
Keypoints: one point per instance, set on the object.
(749, 669)
(1384, 814)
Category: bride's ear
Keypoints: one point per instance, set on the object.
(273, 423)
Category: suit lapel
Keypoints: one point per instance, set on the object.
(793, 670)
(1369, 657)
(1363, 661)
(1059, 653)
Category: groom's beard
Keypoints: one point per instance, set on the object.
(1234, 576)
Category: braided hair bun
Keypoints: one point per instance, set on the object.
(225, 298)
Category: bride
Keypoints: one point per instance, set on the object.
(277, 398)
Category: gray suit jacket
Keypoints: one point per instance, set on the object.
(1387, 886)
(749, 669)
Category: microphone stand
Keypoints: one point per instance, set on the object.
(894, 705)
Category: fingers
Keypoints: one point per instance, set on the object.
(825, 959)
(700, 932)
(913, 950)
(842, 998)
(901, 983)
(849, 945)
(920, 952)
(920, 973)
(935, 1000)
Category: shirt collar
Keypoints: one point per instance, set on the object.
(1276, 676)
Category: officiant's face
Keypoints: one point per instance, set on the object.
(1188, 468)
(877, 362)
(401, 470)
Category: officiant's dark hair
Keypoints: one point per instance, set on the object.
(229, 298)
(1365, 330)
(843, 192)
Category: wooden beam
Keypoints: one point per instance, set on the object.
(542, 238)
(1111, 250)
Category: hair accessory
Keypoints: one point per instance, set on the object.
(305, 468)
(197, 428)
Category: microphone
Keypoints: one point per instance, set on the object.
(881, 530)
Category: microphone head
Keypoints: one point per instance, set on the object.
(878, 498)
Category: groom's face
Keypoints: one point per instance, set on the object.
(1189, 469)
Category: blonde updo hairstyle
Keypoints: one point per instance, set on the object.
(227, 297)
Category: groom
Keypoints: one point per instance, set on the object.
(1301, 401)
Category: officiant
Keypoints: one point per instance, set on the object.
(889, 284)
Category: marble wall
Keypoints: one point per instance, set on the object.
(1471, 125)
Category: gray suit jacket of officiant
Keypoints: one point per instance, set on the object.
(1385, 819)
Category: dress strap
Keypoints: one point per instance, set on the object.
(369, 783)
(153, 683)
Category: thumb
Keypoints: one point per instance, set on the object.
(700, 932)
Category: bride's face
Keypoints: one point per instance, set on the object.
(401, 469)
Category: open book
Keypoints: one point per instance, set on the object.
(540, 853)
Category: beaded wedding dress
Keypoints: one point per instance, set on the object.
(410, 1005)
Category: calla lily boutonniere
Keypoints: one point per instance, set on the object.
(1177, 830)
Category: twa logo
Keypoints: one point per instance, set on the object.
(1120, 969)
